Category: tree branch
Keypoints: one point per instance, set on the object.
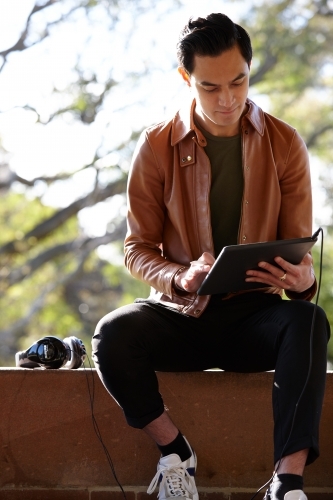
(75, 246)
(269, 63)
(49, 225)
(20, 45)
(311, 141)
(323, 9)
(13, 177)
(7, 336)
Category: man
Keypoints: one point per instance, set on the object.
(220, 173)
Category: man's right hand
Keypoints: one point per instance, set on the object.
(190, 279)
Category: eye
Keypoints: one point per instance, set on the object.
(237, 83)
(210, 89)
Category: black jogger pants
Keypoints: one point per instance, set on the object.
(253, 332)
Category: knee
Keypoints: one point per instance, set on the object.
(302, 317)
(322, 330)
(109, 332)
(114, 335)
(312, 319)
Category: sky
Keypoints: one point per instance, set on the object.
(29, 78)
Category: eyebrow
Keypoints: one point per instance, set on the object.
(209, 84)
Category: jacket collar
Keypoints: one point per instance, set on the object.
(183, 123)
(256, 116)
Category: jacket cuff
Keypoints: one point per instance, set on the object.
(176, 289)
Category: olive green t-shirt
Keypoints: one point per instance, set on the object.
(225, 155)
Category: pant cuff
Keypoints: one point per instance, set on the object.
(141, 422)
(301, 444)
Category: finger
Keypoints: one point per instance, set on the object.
(296, 277)
(287, 266)
(207, 258)
(198, 268)
(194, 271)
(268, 278)
(277, 271)
(193, 278)
(307, 259)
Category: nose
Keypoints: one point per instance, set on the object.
(226, 98)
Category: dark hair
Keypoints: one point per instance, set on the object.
(210, 36)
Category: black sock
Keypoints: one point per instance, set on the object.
(178, 446)
(283, 483)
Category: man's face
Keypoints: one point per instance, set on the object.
(220, 86)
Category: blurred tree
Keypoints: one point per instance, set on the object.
(326, 292)
(293, 66)
(52, 280)
(54, 277)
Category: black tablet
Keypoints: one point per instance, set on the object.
(228, 272)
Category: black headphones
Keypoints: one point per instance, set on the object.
(52, 352)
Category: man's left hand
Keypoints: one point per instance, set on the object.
(296, 278)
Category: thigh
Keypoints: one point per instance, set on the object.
(152, 334)
(242, 334)
(220, 337)
(277, 333)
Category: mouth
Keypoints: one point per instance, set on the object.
(226, 111)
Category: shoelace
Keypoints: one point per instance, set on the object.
(174, 477)
(267, 494)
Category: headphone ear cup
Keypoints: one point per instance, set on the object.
(48, 352)
(22, 360)
(52, 352)
(76, 352)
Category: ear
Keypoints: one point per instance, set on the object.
(184, 74)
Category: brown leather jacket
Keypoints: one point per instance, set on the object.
(168, 199)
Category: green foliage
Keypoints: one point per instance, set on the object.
(56, 318)
(61, 315)
(19, 214)
(23, 300)
(326, 289)
(293, 41)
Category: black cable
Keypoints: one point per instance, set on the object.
(96, 428)
(91, 391)
(320, 230)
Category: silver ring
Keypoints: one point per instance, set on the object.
(283, 277)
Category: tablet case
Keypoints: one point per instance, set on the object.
(228, 272)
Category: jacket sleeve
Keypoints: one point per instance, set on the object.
(145, 220)
(296, 201)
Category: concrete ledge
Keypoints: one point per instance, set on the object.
(49, 449)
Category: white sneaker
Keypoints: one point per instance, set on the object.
(175, 478)
(295, 495)
(291, 495)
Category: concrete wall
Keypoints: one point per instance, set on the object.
(49, 450)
